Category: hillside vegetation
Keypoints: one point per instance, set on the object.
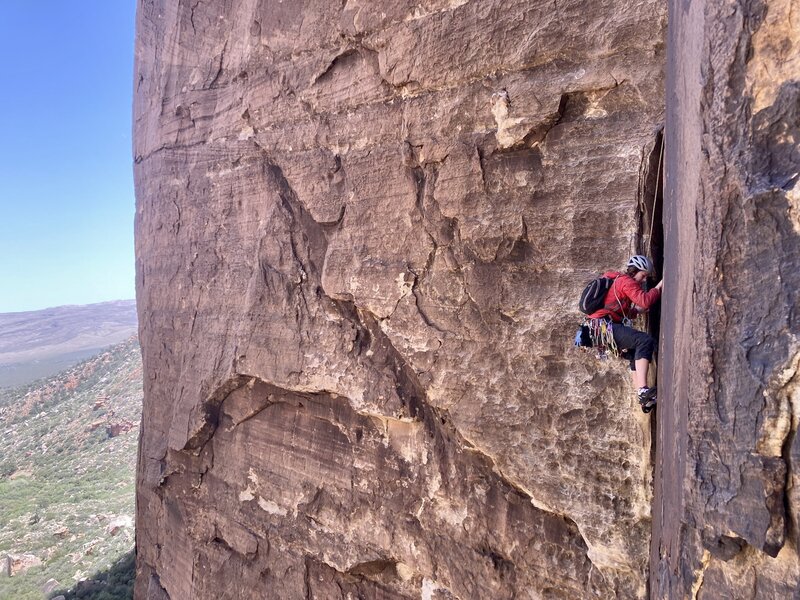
(67, 472)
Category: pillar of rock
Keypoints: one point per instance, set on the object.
(361, 231)
(726, 490)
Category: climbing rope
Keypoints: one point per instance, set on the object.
(625, 319)
(642, 190)
(659, 175)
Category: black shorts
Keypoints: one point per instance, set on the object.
(633, 344)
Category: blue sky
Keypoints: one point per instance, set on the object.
(66, 183)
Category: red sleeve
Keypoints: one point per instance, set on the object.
(628, 287)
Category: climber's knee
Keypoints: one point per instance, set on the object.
(645, 346)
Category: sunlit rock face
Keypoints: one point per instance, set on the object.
(727, 504)
(362, 228)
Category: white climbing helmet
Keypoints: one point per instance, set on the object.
(641, 263)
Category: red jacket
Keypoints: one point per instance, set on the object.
(621, 297)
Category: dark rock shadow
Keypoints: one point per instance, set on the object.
(115, 583)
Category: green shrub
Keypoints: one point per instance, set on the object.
(7, 468)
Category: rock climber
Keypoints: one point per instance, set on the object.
(611, 326)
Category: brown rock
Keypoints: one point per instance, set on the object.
(361, 233)
(96, 424)
(50, 586)
(88, 550)
(117, 523)
(726, 488)
(61, 532)
(116, 428)
(16, 564)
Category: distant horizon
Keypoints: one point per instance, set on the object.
(66, 305)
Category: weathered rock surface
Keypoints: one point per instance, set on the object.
(727, 476)
(14, 564)
(361, 231)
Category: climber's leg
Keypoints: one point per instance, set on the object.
(641, 347)
(640, 374)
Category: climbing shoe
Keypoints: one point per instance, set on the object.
(647, 398)
(648, 405)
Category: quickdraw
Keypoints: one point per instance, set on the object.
(601, 332)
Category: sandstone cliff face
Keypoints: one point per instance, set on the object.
(361, 231)
(727, 476)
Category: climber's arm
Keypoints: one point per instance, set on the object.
(639, 297)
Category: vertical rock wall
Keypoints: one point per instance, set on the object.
(727, 467)
(361, 229)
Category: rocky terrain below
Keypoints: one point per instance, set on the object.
(67, 462)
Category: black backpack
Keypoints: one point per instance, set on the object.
(594, 294)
